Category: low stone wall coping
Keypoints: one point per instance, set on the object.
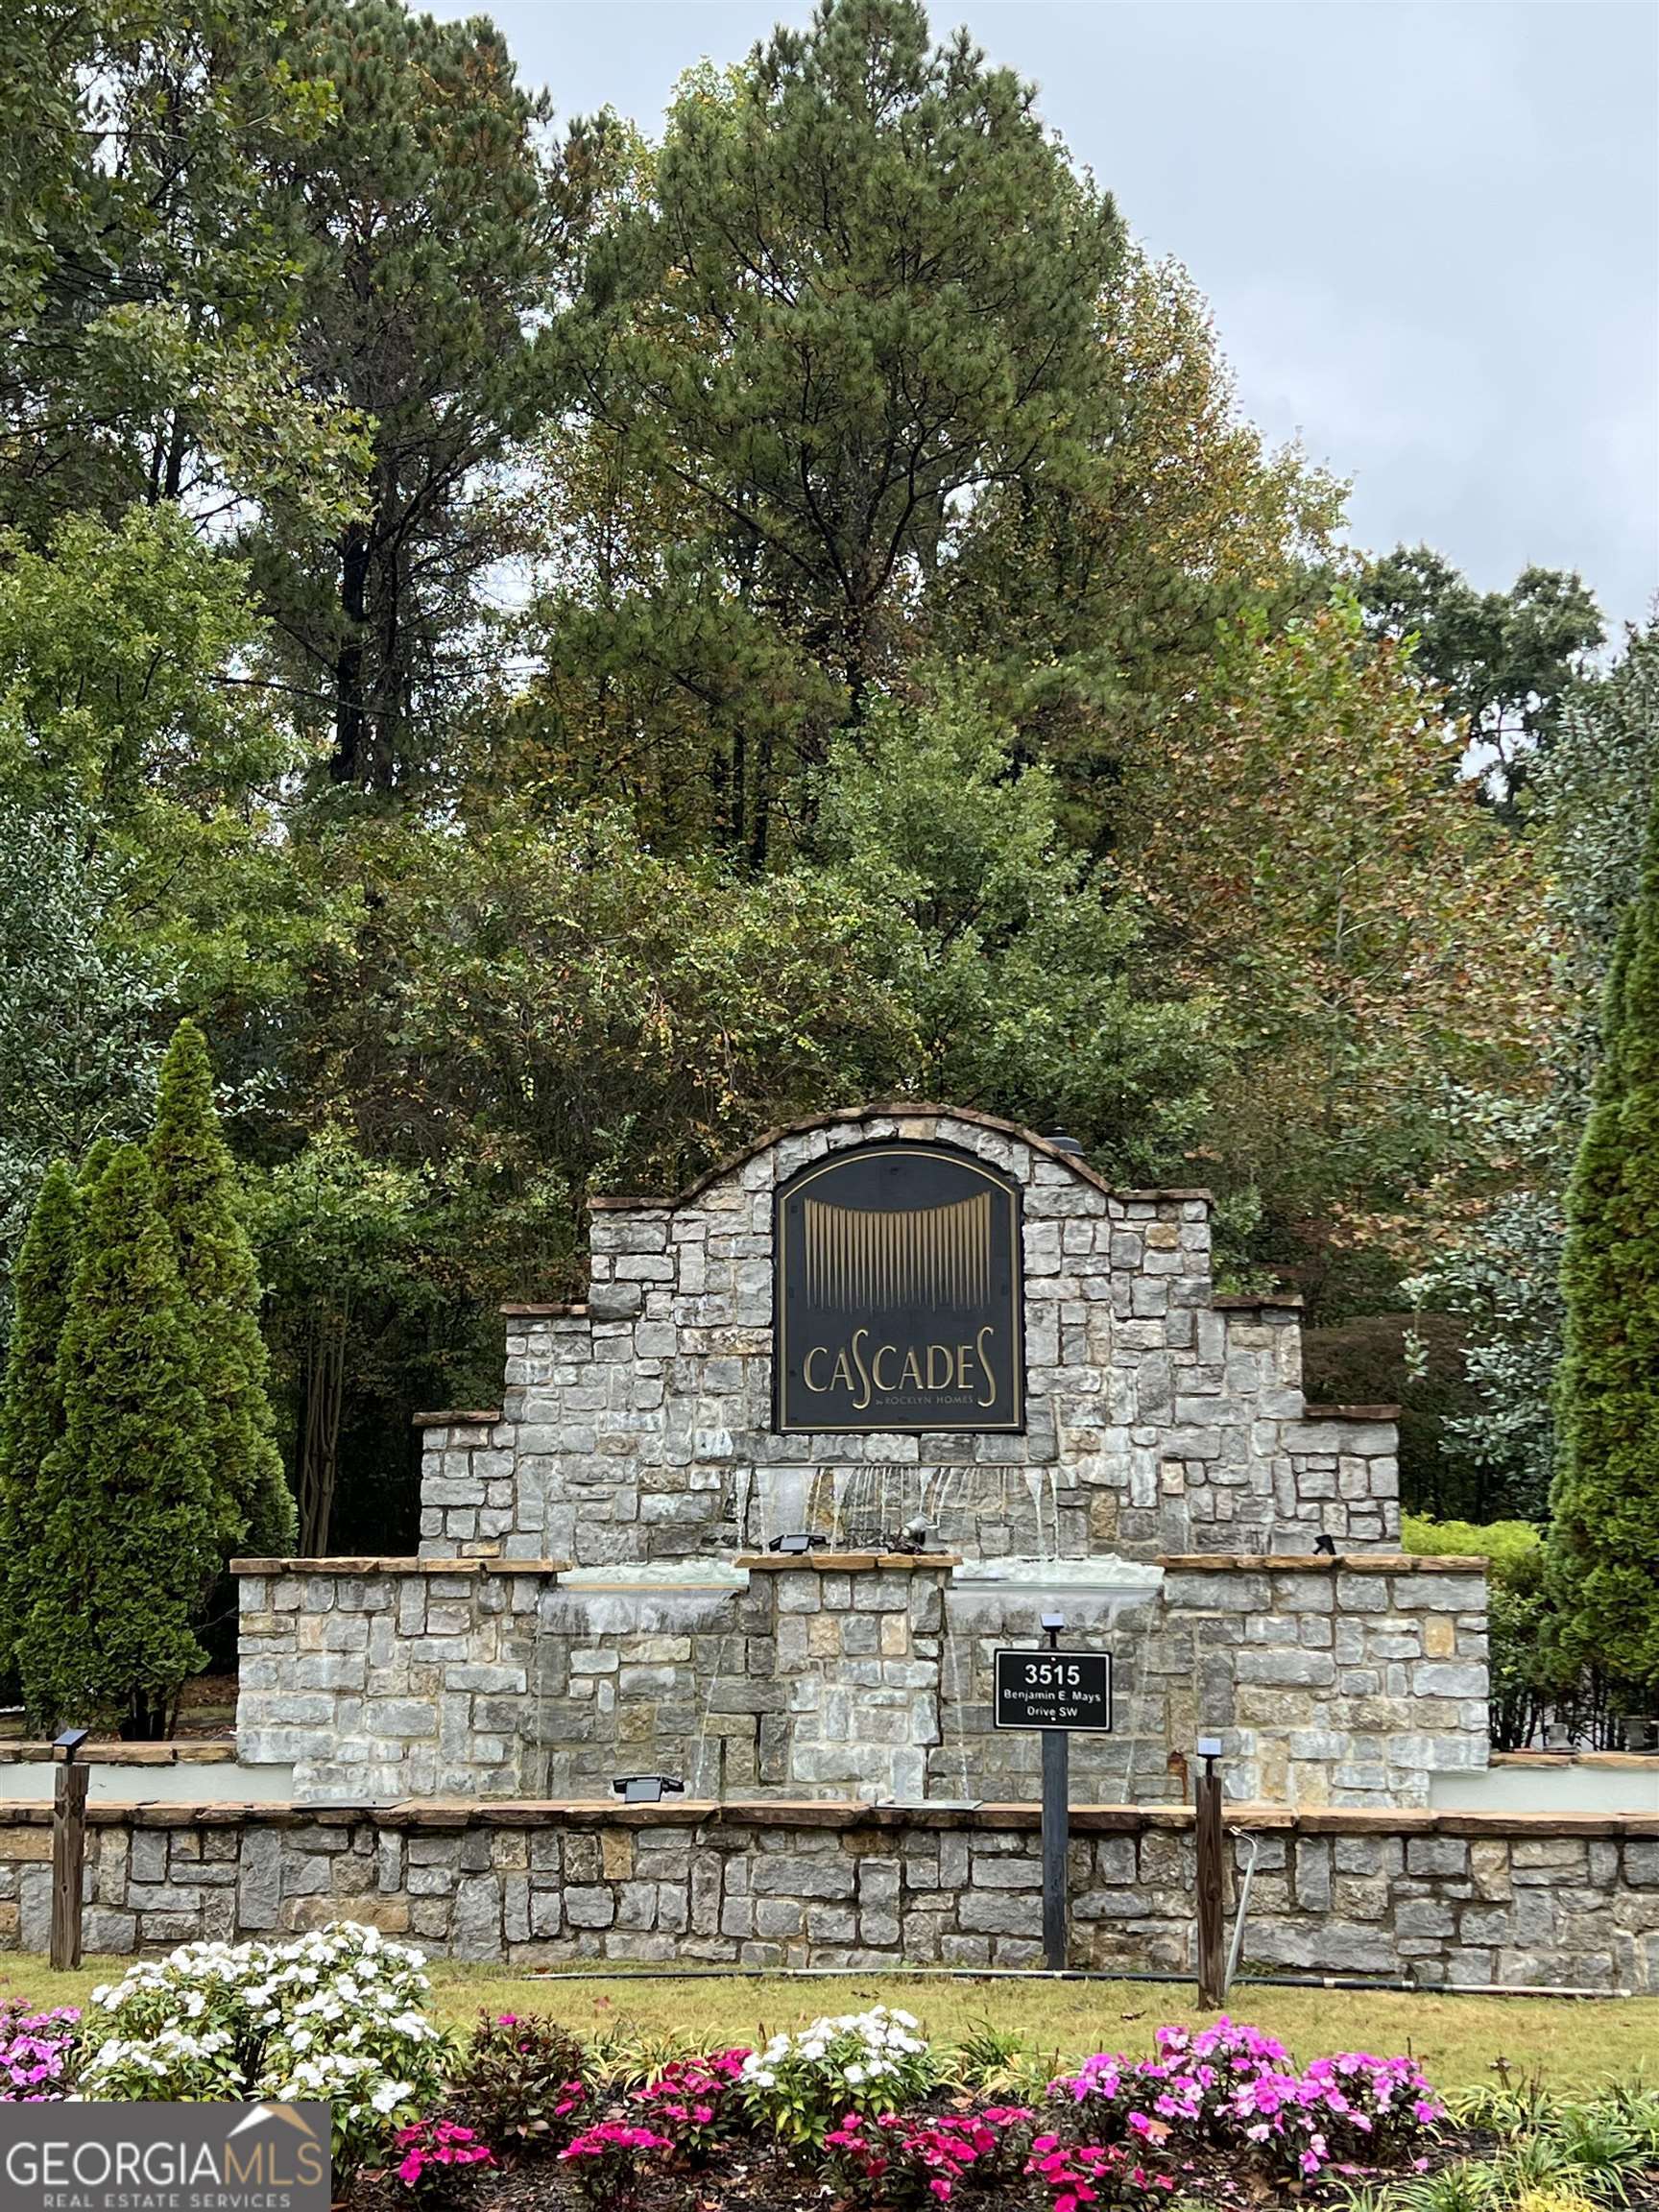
(476, 1417)
(1350, 1412)
(649, 1585)
(845, 1562)
(569, 1310)
(1627, 1762)
(463, 1812)
(1245, 1302)
(26, 1751)
(399, 1565)
(1317, 1563)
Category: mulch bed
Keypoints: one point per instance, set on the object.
(750, 2180)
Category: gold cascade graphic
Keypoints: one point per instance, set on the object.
(929, 1256)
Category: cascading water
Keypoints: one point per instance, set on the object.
(998, 1599)
(628, 1606)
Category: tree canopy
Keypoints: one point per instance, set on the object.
(559, 649)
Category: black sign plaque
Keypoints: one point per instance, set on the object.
(1053, 1689)
(899, 1294)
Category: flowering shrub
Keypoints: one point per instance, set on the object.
(906, 2159)
(1230, 2086)
(36, 2052)
(435, 2151)
(605, 2161)
(694, 2103)
(335, 2016)
(859, 2063)
(523, 2083)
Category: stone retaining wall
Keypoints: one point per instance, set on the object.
(1341, 1681)
(1161, 1417)
(1469, 1900)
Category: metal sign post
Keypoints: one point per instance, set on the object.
(1056, 1845)
(1056, 1693)
(1210, 1878)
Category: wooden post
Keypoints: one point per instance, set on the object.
(1212, 1905)
(68, 1849)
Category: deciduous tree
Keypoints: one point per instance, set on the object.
(148, 290)
(1498, 1267)
(1089, 592)
(1306, 852)
(1022, 968)
(1504, 660)
(76, 1045)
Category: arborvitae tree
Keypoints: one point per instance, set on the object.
(122, 1563)
(196, 1191)
(32, 1422)
(96, 1165)
(1604, 1544)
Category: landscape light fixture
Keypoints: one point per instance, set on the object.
(799, 1541)
(1054, 1623)
(1209, 1746)
(71, 1741)
(1060, 1141)
(1326, 1547)
(647, 1788)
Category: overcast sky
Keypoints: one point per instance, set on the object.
(1429, 229)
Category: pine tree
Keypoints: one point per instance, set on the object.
(31, 1421)
(195, 1192)
(1605, 1543)
(428, 251)
(120, 1567)
(859, 292)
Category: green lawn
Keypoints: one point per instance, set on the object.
(1573, 2044)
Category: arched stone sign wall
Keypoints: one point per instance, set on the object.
(1157, 1418)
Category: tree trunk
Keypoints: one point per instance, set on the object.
(389, 713)
(350, 717)
(761, 814)
(324, 1388)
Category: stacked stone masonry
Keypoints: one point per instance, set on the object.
(1160, 1418)
(1347, 1681)
(1470, 1900)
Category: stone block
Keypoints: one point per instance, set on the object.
(999, 1913)
(589, 1907)
(1437, 1855)
(259, 1879)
